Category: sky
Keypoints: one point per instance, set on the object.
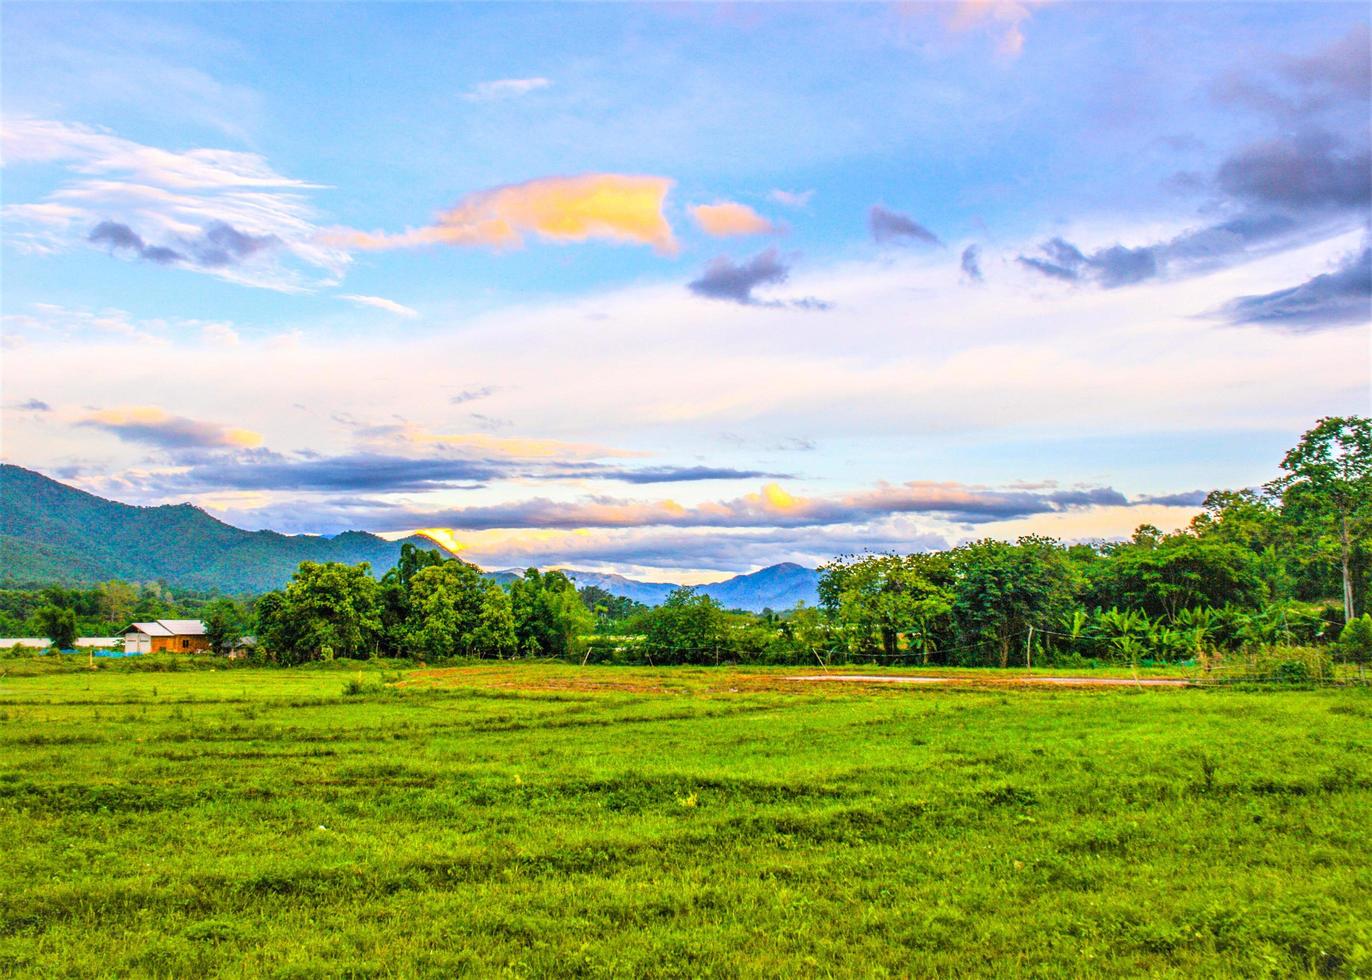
(681, 291)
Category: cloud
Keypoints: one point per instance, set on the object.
(1334, 299)
(33, 405)
(792, 199)
(771, 507)
(368, 472)
(734, 283)
(615, 207)
(380, 303)
(971, 263)
(1310, 172)
(473, 394)
(220, 212)
(1186, 498)
(219, 245)
(118, 236)
(892, 227)
(1003, 17)
(153, 426)
(1297, 90)
(726, 218)
(504, 88)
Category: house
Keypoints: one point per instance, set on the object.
(165, 636)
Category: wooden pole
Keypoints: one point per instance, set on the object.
(1028, 640)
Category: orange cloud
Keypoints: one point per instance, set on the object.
(410, 436)
(1005, 16)
(154, 426)
(618, 207)
(727, 218)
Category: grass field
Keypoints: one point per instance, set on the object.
(542, 819)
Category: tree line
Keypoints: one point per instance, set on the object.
(1282, 565)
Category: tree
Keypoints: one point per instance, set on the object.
(445, 607)
(1000, 589)
(687, 628)
(115, 601)
(1356, 639)
(549, 615)
(58, 624)
(1328, 489)
(223, 625)
(878, 598)
(327, 609)
(1164, 575)
(494, 635)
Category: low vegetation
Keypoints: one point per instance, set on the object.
(541, 818)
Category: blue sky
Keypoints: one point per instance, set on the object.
(961, 269)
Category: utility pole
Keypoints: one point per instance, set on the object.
(1028, 640)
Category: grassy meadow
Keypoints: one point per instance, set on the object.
(545, 819)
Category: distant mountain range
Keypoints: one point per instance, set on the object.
(50, 532)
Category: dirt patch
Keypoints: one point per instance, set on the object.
(1068, 681)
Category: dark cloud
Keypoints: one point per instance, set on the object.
(971, 263)
(120, 236)
(1337, 78)
(1334, 299)
(359, 473)
(724, 280)
(218, 246)
(1187, 498)
(683, 474)
(1310, 172)
(34, 405)
(222, 244)
(891, 227)
(263, 469)
(948, 502)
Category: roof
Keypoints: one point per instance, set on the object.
(167, 627)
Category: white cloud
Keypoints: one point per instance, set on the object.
(380, 303)
(170, 199)
(504, 88)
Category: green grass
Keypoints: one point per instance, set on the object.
(543, 819)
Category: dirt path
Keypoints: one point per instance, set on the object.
(1072, 681)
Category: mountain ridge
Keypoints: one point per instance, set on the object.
(52, 532)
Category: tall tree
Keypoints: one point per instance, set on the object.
(223, 625)
(1001, 589)
(1327, 488)
(445, 607)
(58, 624)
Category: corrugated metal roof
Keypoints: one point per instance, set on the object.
(168, 627)
(184, 627)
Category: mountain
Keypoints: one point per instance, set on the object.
(648, 593)
(775, 587)
(52, 532)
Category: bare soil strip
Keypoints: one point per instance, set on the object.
(1082, 681)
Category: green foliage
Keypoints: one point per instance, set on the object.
(326, 610)
(224, 622)
(1162, 576)
(549, 616)
(58, 624)
(1355, 642)
(1001, 589)
(1327, 490)
(639, 822)
(875, 599)
(689, 628)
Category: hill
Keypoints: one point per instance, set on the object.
(776, 587)
(50, 532)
